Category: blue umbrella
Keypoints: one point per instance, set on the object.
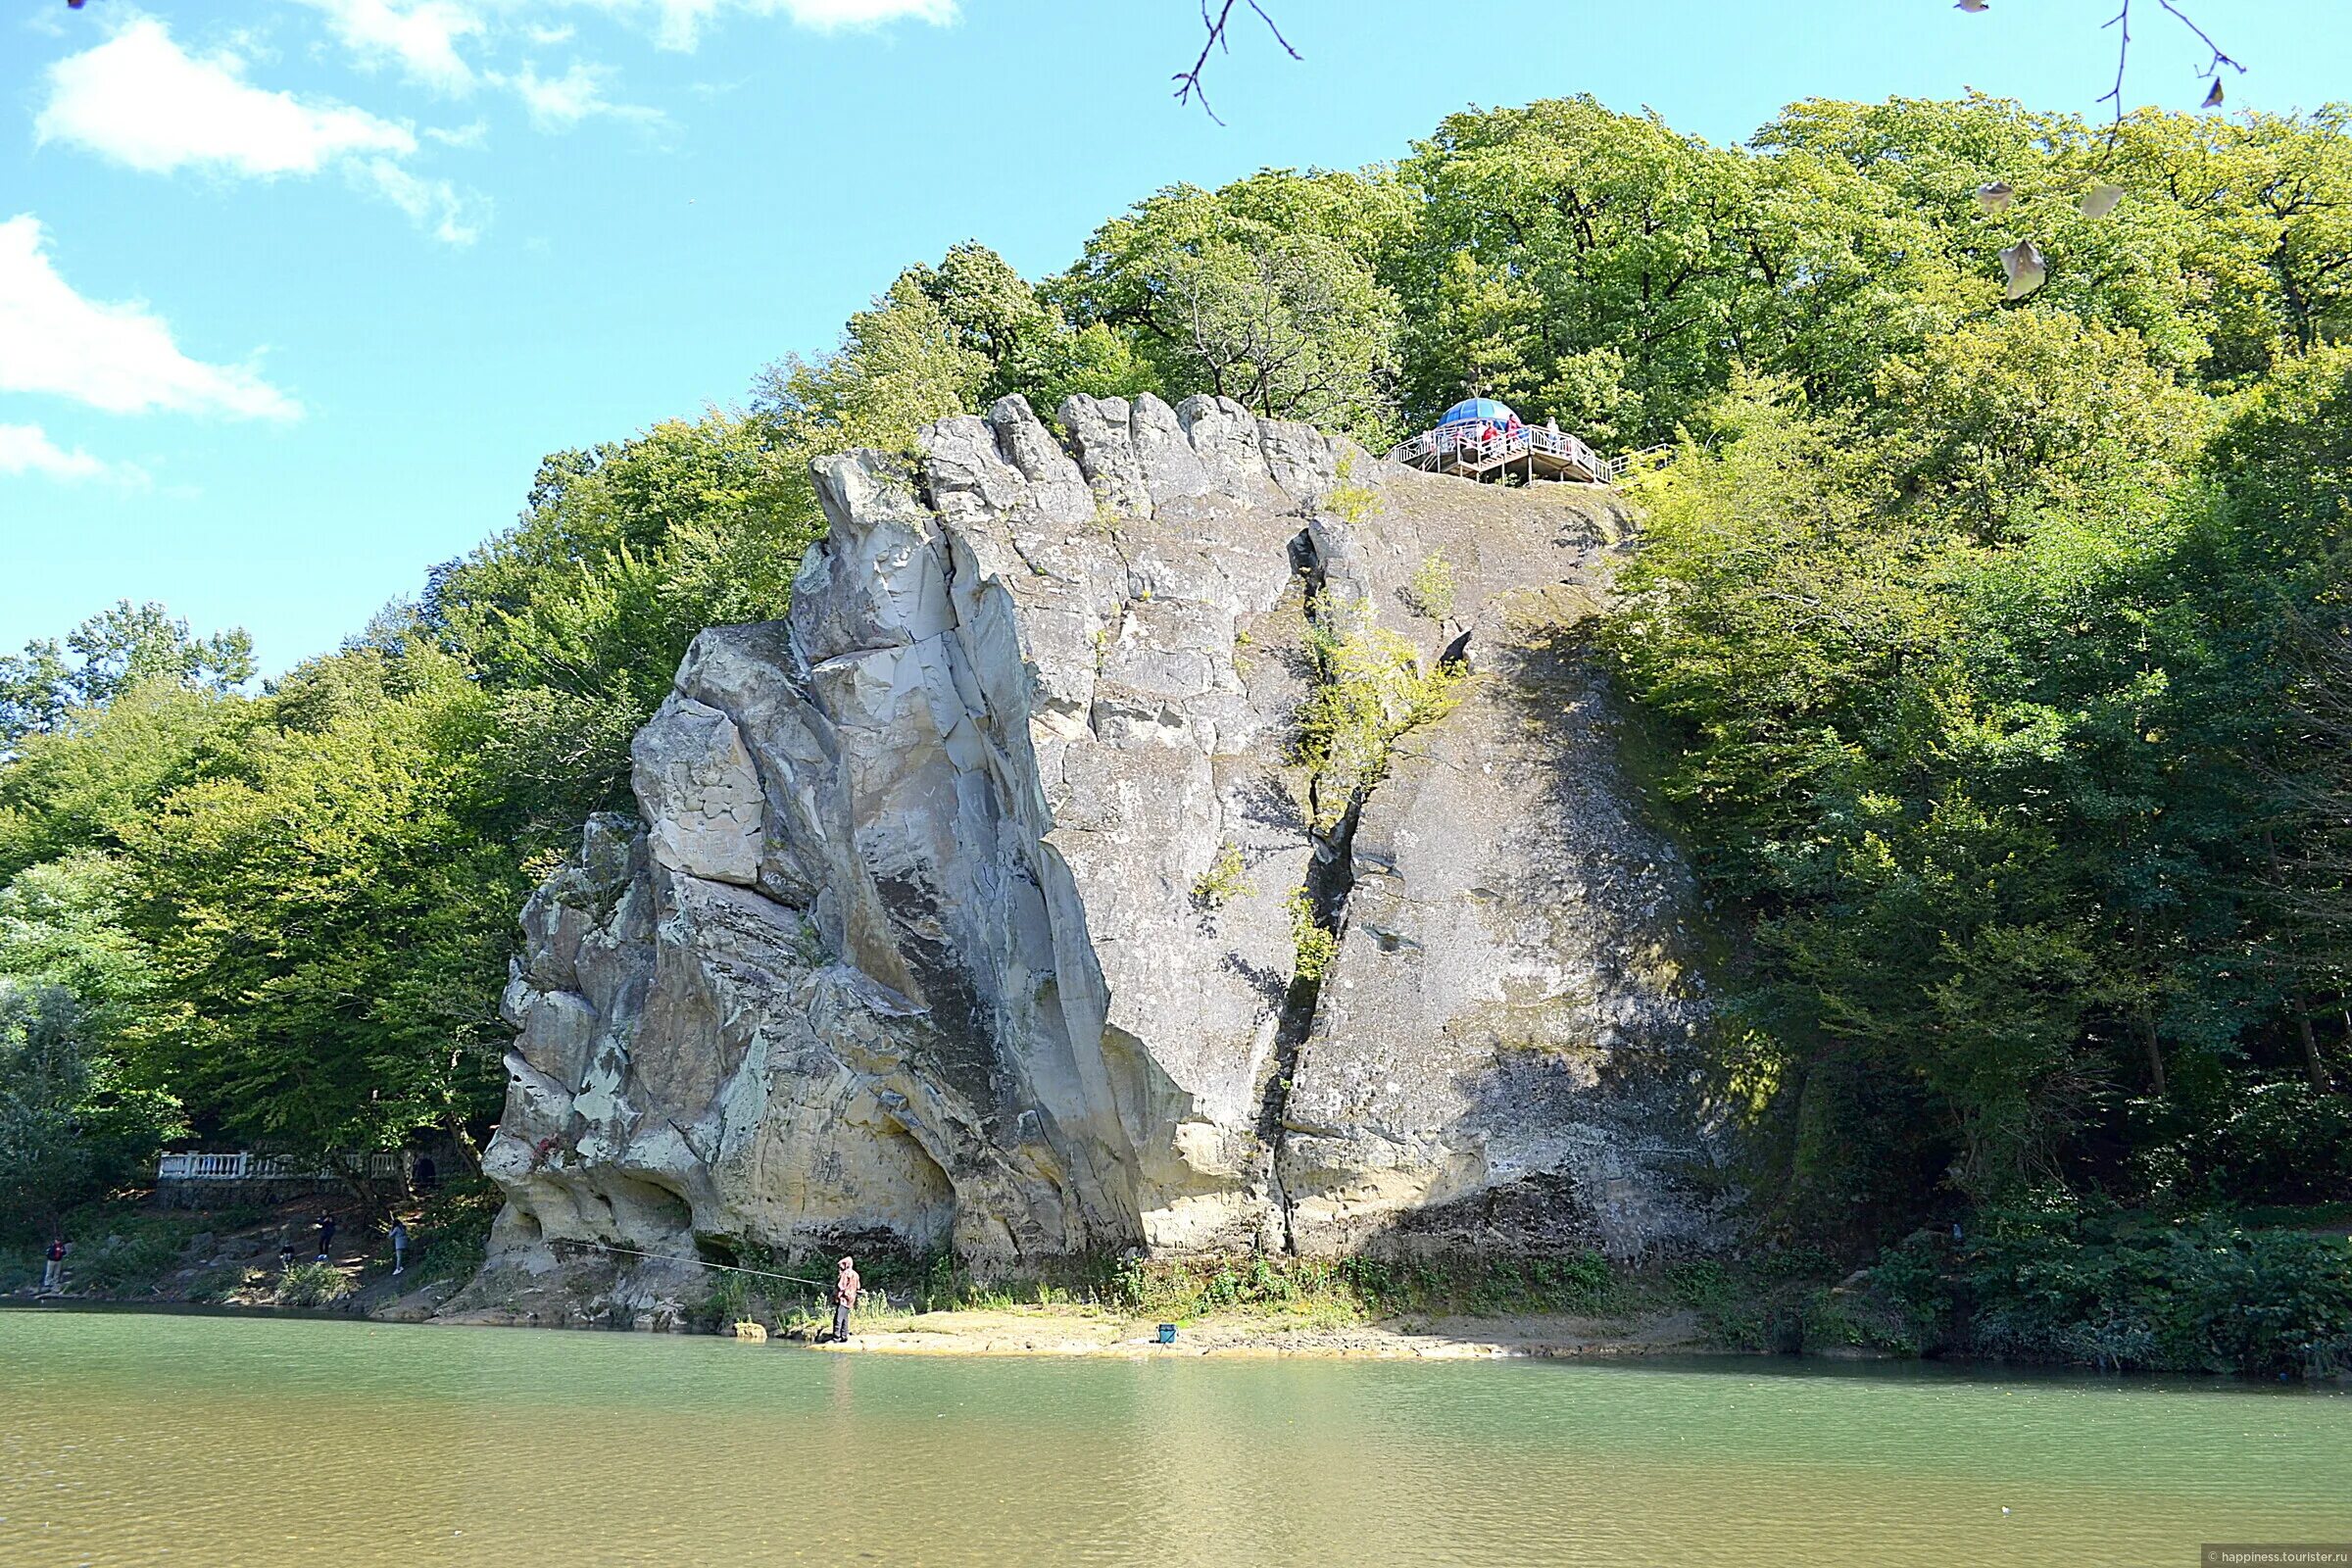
(1479, 411)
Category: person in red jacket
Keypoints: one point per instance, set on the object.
(53, 1276)
(845, 1285)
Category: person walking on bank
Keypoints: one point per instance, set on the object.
(845, 1296)
(399, 1237)
(53, 1275)
(326, 1235)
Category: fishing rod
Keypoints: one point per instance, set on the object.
(696, 1262)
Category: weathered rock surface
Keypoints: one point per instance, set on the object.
(913, 945)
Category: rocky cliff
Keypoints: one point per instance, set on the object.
(966, 902)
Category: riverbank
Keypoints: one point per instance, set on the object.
(2261, 1294)
(1075, 1332)
(135, 1251)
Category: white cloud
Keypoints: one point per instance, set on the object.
(678, 24)
(26, 449)
(682, 20)
(454, 217)
(120, 357)
(140, 100)
(829, 13)
(559, 103)
(420, 37)
(562, 102)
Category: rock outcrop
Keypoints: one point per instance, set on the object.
(961, 912)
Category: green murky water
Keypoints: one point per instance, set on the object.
(225, 1440)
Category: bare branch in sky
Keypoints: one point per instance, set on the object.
(2122, 22)
(1187, 82)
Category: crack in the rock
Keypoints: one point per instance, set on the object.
(1330, 880)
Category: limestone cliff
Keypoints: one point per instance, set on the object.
(923, 937)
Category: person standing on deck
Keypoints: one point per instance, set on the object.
(846, 1286)
(53, 1274)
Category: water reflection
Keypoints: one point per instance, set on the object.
(216, 1440)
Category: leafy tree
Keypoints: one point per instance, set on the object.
(69, 1129)
(330, 919)
(2280, 548)
(1266, 291)
(2031, 410)
(1982, 706)
(65, 924)
(1581, 262)
(2264, 204)
(577, 618)
(108, 653)
(97, 774)
(1023, 338)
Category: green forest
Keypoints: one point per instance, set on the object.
(1991, 656)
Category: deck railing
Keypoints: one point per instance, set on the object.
(1620, 467)
(1479, 445)
(250, 1167)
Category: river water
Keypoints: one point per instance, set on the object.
(136, 1439)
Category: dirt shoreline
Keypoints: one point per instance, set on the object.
(1071, 1333)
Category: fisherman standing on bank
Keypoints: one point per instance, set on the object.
(53, 1277)
(845, 1296)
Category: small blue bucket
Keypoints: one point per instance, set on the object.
(1167, 1334)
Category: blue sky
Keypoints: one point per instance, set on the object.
(294, 293)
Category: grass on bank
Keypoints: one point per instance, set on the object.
(130, 1248)
(1280, 1293)
(2062, 1283)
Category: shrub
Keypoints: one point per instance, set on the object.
(1370, 693)
(135, 1256)
(450, 1233)
(1223, 881)
(1430, 591)
(312, 1284)
(1312, 944)
(2282, 1142)
(1349, 501)
(2106, 1287)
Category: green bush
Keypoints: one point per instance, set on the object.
(1371, 691)
(2282, 1142)
(1226, 879)
(312, 1284)
(1430, 590)
(20, 1267)
(1313, 945)
(450, 1234)
(125, 1261)
(2106, 1287)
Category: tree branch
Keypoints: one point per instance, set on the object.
(2121, 20)
(1187, 82)
(2212, 66)
(2123, 53)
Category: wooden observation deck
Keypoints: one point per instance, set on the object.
(1485, 453)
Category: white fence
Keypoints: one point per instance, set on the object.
(1480, 445)
(244, 1167)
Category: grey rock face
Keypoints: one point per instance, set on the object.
(920, 940)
